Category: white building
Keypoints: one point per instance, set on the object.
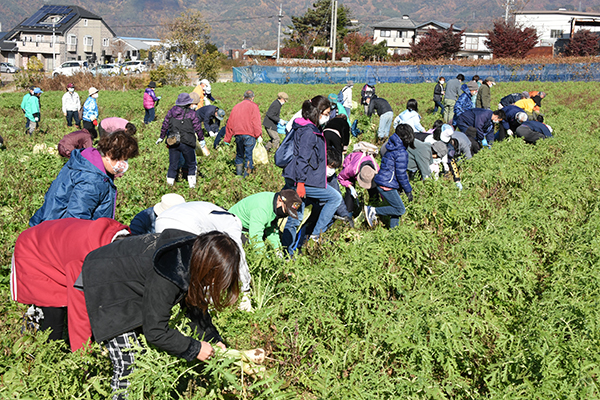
(397, 32)
(559, 24)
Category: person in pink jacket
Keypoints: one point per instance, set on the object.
(358, 167)
(150, 101)
(45, 266)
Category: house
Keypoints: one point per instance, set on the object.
(421, 29)
(554, 26)
(128, 48)
(55, 34)
(397, 32)
(473, 46)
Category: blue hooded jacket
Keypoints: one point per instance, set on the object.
(392, 173)
(81, 190)
(481, 120)
(309, 163)
(464, 102)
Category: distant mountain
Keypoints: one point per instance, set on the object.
(255, 21)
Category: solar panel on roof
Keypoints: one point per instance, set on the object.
(34, 18)
(68, 18)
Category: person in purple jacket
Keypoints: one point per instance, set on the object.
(392, 177)
(358, 167)
(182, 121)
(150, 101)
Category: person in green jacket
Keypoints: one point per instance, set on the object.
(32, 110)
(260, 212)
(24, 103)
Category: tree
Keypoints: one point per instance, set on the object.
(353, 42)
(370, 51)
(583, 43)
(187, 34)
(436, 44)
(509, 40)
(314, 27)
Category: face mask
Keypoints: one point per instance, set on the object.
(95, 95)
(120, 167)
(442, 82)
(323, 120)
(71, 89)
(280, 213)
(330, 172)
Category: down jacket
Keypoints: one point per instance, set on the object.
(81, 190)
(47, 262)
(464, 102)
(149, 98)
(392, 173)
(135, 283)
(411, 118)
(309, 162)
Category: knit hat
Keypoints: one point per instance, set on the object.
(220, 114)
(167, 201)
(92, 91)
(365, 176)
(446, 134)
(521, 117)
(184, 99)
(491, 80)
(472, 85)
(152, 84)
(525, 95)
(292, 202)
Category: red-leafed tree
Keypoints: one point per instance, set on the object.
(509, 40)
(583, 43)
(436, 44)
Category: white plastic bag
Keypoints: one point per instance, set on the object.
(259, 154)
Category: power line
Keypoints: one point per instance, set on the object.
(210, 21)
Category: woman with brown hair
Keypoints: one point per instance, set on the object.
(84, 187)
(131, 286)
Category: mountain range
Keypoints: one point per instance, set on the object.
(254, 22)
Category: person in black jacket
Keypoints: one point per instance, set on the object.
(131, 285)
(210, 117)
(438, 95)
(386, 115)
(272, 119)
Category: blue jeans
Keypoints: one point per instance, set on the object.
(175, 153)
(438, 104)
(73, 115)
(396, 207)
(385, 123)
(244, 145)
(149, 116)
(331, 199)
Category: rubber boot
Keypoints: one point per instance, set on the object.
(239, 169)
(247, 172)
(192, 181)
(170, 181)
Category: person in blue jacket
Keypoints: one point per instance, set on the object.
(483, 121)
(210, 117)
(392, 177)
(84, 187)
(465, 100)
(513, 117)
(307, 171)
(532, 131)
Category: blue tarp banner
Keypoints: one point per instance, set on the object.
(415, 73)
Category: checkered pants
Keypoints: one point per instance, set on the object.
(122, 361)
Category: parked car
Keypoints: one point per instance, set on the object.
(134, 67)
(105, 69)
(70, 68)
(6, 67)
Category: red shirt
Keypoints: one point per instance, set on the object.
(244, 119)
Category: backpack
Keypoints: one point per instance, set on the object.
(340, 98)
(285, 151)
(367, 91)
(354, 129)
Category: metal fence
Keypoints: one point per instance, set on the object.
(415, 73)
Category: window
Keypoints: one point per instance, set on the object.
(386, 33)
(72, 39)
(471, 43)
(556, 33)
(88, 41)
(85, 22)
(38, 38)
(105, 42)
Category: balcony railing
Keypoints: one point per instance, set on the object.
(88, 48)
(72, 47)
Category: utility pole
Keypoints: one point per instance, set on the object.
(509, 3)
(333, 37)
(53, 44)
(279, 30)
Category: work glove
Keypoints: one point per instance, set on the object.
(202, 143)
(410, 196)
(159, 141)
(353, 192)
(95, 122)
(36, 119)
(245, 303)
(459, 185)
(300, 189)
(509, 132)
(484, 142)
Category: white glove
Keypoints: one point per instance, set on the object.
(203, 143)
(353, 192)
(459, 185)
(159, 141)
(212, 134)
(510, 133)
(36, 119)
(159, 97)
(245, 303)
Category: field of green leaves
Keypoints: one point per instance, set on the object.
(492, 292)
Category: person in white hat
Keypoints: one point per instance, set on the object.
(145, 221)
(90, 112)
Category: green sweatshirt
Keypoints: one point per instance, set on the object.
(258, 216)
(32, 106)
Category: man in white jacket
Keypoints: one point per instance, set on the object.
(199, 217)
(71, 105)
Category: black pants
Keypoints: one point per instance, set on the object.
(73, 115)
(54, 318)
(189, 154)
(90, 128)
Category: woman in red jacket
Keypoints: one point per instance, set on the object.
(46, 263)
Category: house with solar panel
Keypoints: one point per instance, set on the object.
(56, 34)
